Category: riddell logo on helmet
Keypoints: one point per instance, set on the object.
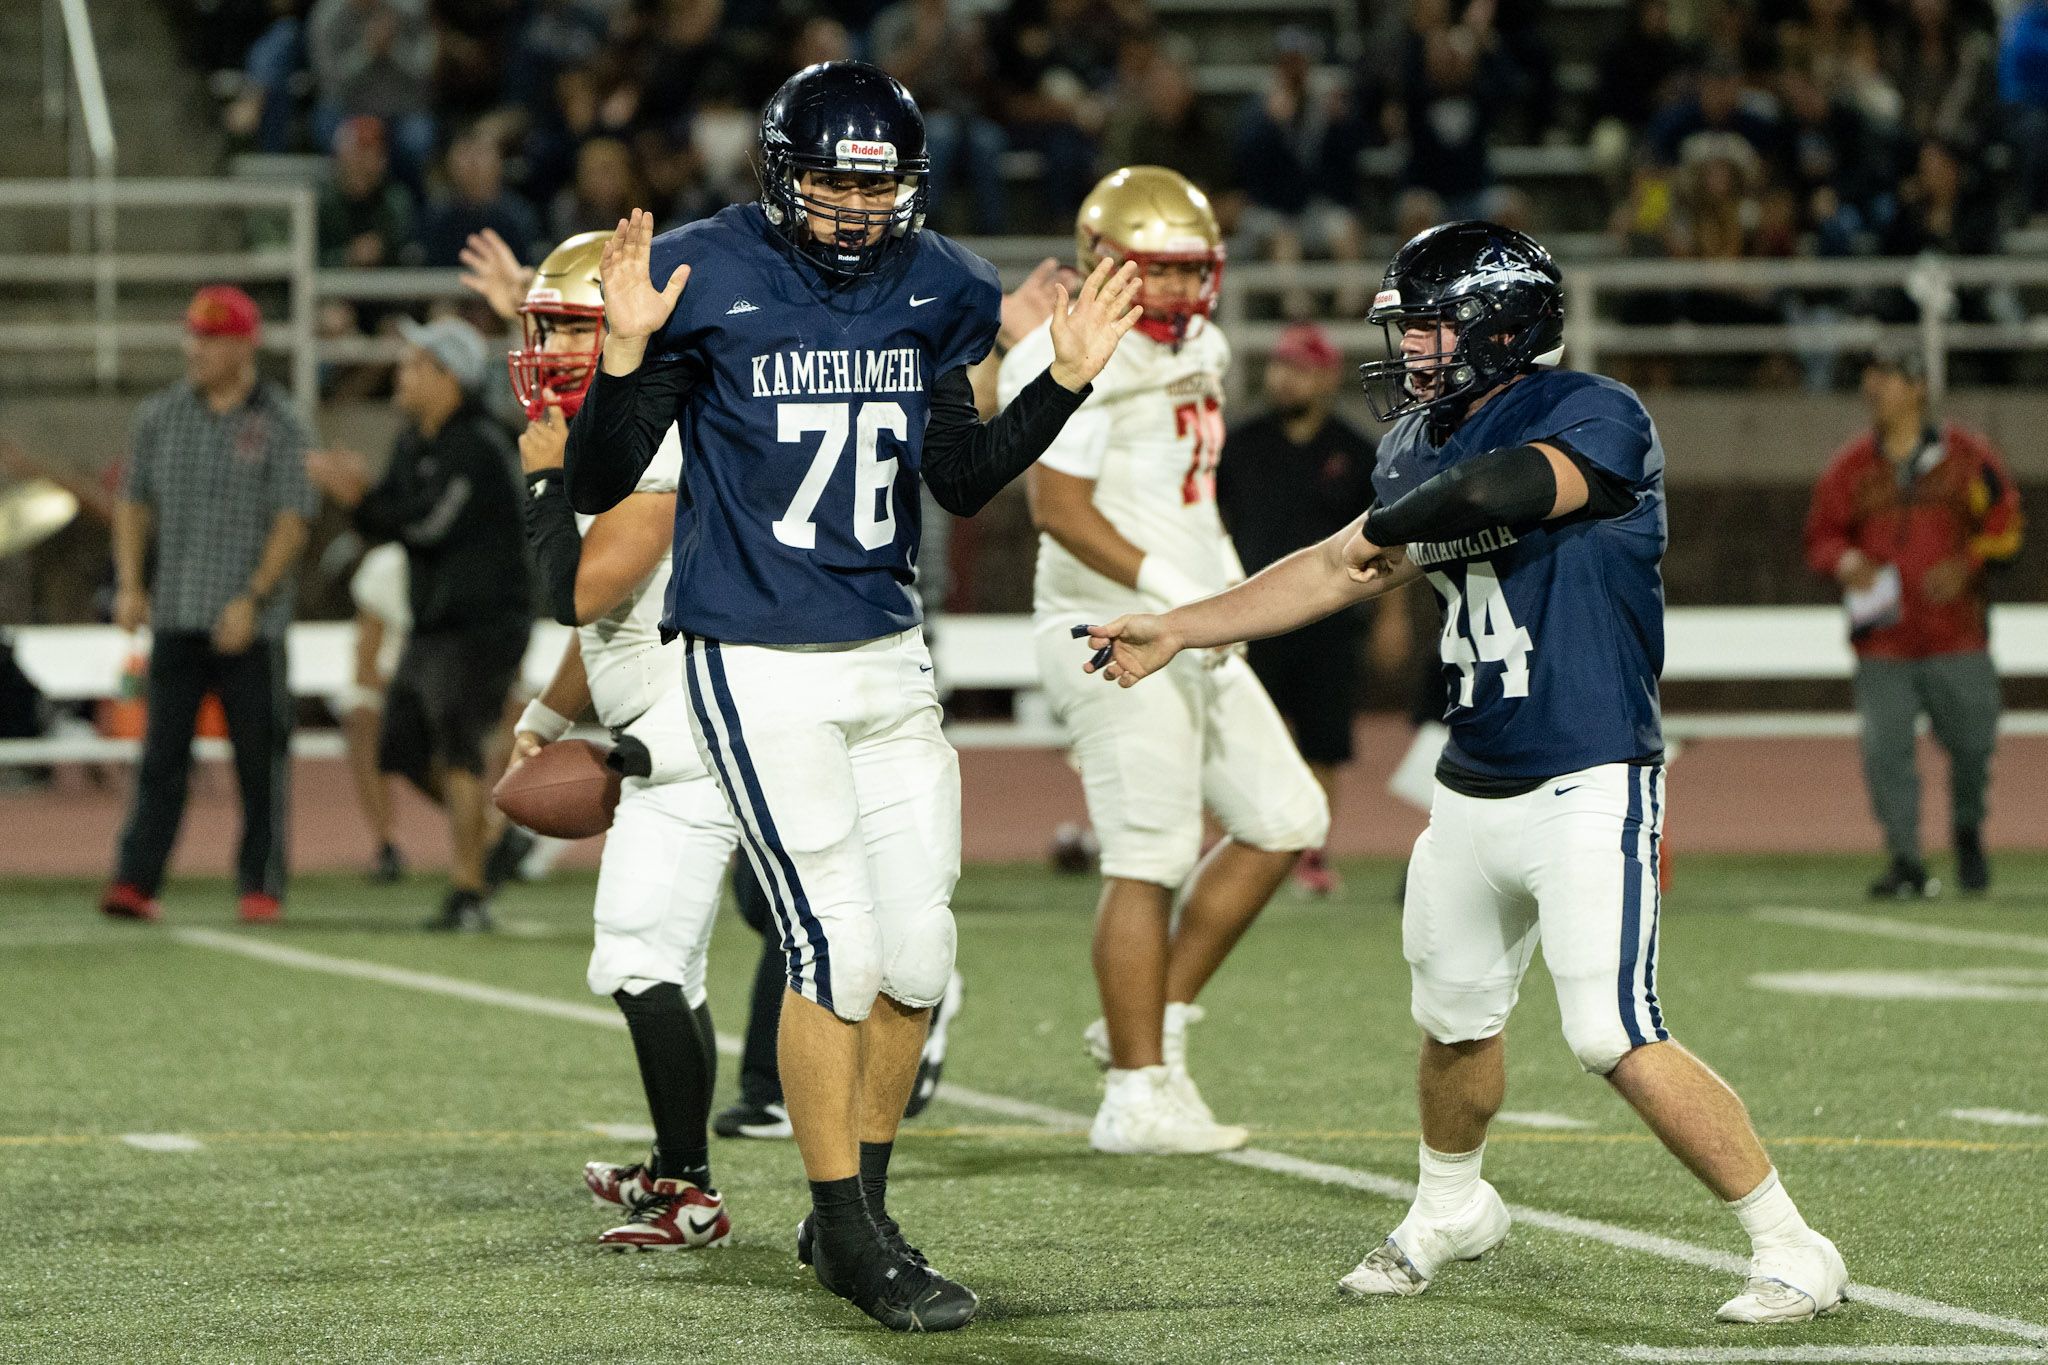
(850, 150)
(543, 295)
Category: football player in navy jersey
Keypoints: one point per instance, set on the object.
(816, 367)
(1532, 498)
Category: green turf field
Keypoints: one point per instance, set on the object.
(384, 1173)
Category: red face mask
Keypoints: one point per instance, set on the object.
(1167, 320)
(567, 373)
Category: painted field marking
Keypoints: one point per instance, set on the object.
(1668, 1248)
(163, 1142)
(2010, 984)
(1538, 1118)
(2004, 1118)
(623, 1132)
(1881, 926)
(1859, 1355)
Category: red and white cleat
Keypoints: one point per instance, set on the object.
(675, 1215)
(614, 1184)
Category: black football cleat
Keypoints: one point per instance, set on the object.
(1906, 880)
(464, 912)
(892, 1241)
(745, 1120)
(901, 1294)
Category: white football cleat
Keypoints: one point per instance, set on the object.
(1413, 1255)
(1140, 1117)
(1791, 1284)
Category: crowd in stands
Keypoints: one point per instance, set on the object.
(1756, 128)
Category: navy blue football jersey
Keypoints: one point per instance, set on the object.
(1553, 637)
(803, 427)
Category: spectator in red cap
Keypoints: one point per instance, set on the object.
(216, 480)
(1290, 477)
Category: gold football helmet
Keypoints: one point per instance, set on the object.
(565, 290)
(1147, 214)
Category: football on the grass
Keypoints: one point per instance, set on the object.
(565, 791)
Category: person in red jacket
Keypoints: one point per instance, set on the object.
(1907, 518)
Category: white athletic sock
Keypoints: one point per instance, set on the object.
(1768, 1216)
(1136, 1085)
(1447, 1182)
(1173, 1034)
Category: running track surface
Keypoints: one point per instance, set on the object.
(1754, 796)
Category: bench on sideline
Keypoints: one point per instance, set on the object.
(995, 653)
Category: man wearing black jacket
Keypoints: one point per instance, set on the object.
(451, 497)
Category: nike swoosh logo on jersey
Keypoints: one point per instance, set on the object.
(916, 302)
(742, 306)
(1560, 791)
(924, 668)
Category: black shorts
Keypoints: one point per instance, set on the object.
(1312, 675)
(446, 697)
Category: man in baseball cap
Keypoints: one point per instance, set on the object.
(221, 310)
(452, 496)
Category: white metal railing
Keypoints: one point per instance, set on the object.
(67, 29)
(108, 334)
(1590, 285)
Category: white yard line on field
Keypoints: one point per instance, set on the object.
(2004, 1118)
(162, 1142)
(1278, 1163)
(1538, 1118)
(1859, 1355)
(1881, 926)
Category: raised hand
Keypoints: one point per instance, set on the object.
(1085, 335)
(633, 308)
(491, 269)
(1129, 648)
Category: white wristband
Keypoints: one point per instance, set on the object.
(1159, 579)
(541, 719)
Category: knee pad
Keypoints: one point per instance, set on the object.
(1456, 1012)
(1164, 857)
(920, 960)
(1599, 1044)
(1303, 824)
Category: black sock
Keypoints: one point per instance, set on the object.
(840, 1221)
(678, 1066)
(874, 1177)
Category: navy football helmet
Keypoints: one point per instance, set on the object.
(1496, 288)
(844, 117)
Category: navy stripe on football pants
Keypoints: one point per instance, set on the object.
(728, 745)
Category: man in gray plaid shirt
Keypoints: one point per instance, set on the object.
(217, 476)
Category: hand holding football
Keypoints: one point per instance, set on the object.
(565, 791)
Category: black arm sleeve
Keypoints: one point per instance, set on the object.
(968, 461)
(613, 437)
(557, 547)
(1512, 487)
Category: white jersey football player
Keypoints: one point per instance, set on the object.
(1125, 503)
(671, 838)
(1532, 497)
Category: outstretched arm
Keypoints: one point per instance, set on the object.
(1306, 586)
